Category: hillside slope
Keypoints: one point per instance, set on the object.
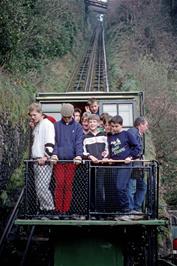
(141, 47)
(40, 43)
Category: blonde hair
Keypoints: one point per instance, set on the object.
(94, 117)
(85, 116)
(35, 107)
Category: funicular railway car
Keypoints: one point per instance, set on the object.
(83, 235)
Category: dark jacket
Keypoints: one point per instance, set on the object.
(95, 145)
(139, 138)
(68, 140)
(123, 145)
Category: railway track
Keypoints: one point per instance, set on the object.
(91, 73)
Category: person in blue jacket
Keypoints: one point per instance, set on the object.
(122, 146)
(68, 146)
(137, 185)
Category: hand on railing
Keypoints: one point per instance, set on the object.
(77, 160)
(93, 159)
(128, 160)
(42, 160)
(54, 159)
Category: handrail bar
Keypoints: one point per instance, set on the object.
(10, 221)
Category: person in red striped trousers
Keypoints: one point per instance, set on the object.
(68, 146)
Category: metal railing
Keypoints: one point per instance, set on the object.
(69, 191)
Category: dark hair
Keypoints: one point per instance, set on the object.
(77, 110)
(107, 119)
(103, 116)
(117, 119)
(139, 120)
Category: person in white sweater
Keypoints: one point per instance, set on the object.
(42, 147)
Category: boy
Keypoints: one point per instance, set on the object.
(85, 122)
(42, 147)
(122, 146)
(93, 106)
(107, 123)
(96, 148)
(77, 114)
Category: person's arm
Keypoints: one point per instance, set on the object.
(49, 138)
(105, 153)
(134, 145)
(79, 141)
(86, 152)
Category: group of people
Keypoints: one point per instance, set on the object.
(98, 138)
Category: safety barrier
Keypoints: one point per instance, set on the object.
(87, 191)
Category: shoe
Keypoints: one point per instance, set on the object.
(82, 217)
(45, 218)
(78, 217)
(125, 218)
(136, 217)
(136, 212)
(117, 218)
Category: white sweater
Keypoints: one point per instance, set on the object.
(44, 139)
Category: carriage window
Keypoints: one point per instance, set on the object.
(125, 110)
(111, 109)
(52, 109)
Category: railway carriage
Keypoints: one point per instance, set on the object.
(74, 240)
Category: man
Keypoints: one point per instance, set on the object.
(137, 185)
(42, 147)
(68, 146)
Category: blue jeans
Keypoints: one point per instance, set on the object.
(136, 190)
(122, 177)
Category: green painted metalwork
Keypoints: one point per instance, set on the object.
(87, 252)
(91, 223)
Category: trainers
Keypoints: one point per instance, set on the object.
(78, 217)
(137, 217)
(82, 217)
(117, 218)
(44, 218)
(125, 218)
(136, 212)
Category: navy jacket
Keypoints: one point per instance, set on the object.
(134, 131)
(123, 145)
(68, 140)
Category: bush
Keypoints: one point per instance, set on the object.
(35, 30)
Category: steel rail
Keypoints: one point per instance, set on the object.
(92, 74)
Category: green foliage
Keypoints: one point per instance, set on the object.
(3, 197)
(16, 95)
(16, 180)
(33, 31)
(140, 57)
